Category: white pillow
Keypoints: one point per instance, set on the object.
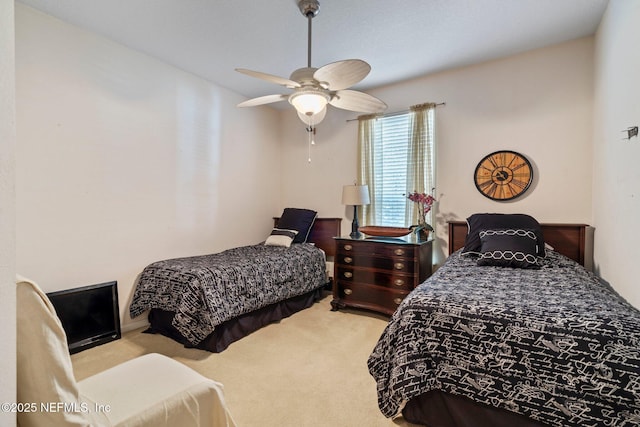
(281, 237)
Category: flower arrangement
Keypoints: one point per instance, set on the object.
(425, 202)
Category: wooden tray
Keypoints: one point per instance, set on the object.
(376, 230)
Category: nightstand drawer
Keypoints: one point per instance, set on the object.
(372, 297)
(397, 264)
(370, 249)
(374, 277)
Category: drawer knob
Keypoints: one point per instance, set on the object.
(398, 282)
(399, 252)
(348, 247)
(396, 300)
(348, 291)
(348, 260)
(399, 265)
(348, 274)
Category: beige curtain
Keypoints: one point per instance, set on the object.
(366, 135)
(420, 162)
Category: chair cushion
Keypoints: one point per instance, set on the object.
(154, 390)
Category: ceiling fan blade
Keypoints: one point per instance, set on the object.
(342, 74)
(313, 119)
(270, 78)
(268, 99)
(361, 102)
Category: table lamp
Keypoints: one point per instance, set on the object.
(355, 195)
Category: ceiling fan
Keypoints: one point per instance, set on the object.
(314, 88)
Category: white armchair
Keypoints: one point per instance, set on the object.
(151, 390)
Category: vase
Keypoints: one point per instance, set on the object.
(422, 233)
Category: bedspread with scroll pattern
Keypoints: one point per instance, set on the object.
(555, 344)
(206, 290)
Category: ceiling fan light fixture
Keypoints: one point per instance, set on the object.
(309, 101)
(315, 88)
(314, 119)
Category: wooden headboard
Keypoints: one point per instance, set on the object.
(567, 239)
(322, 233)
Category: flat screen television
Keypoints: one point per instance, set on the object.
(89, 314)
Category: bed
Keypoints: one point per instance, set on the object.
(211, 301)
(548, 345)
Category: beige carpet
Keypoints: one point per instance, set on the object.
(307, 370)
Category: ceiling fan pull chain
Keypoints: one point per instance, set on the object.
(309, 146)
(311, 130)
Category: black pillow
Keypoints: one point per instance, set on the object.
(300, 220)
(508, 248)
(494, 221)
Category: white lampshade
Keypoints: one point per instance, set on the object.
(309, 101)
(355, 195)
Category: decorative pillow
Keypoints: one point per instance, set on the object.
(508, 248)
(494, 221)
(280, 237)
(300, 220)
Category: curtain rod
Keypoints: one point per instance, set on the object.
(395, 113)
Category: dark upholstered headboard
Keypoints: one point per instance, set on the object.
(323, 232)
(567, 239)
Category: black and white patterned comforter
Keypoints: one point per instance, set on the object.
(554, 344)
(205, 291)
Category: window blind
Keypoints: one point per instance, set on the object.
(391, 143)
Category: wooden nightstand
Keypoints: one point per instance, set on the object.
(378, 273)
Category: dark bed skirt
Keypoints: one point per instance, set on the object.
(234, 329)
(439, 409)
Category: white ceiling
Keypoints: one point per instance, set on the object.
(400, 39)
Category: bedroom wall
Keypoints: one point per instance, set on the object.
(616, 176)
(130, 161)
(538, 103)
(7, 212)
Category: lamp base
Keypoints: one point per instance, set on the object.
(355, 234)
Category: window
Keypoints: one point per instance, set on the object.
(396, 158)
